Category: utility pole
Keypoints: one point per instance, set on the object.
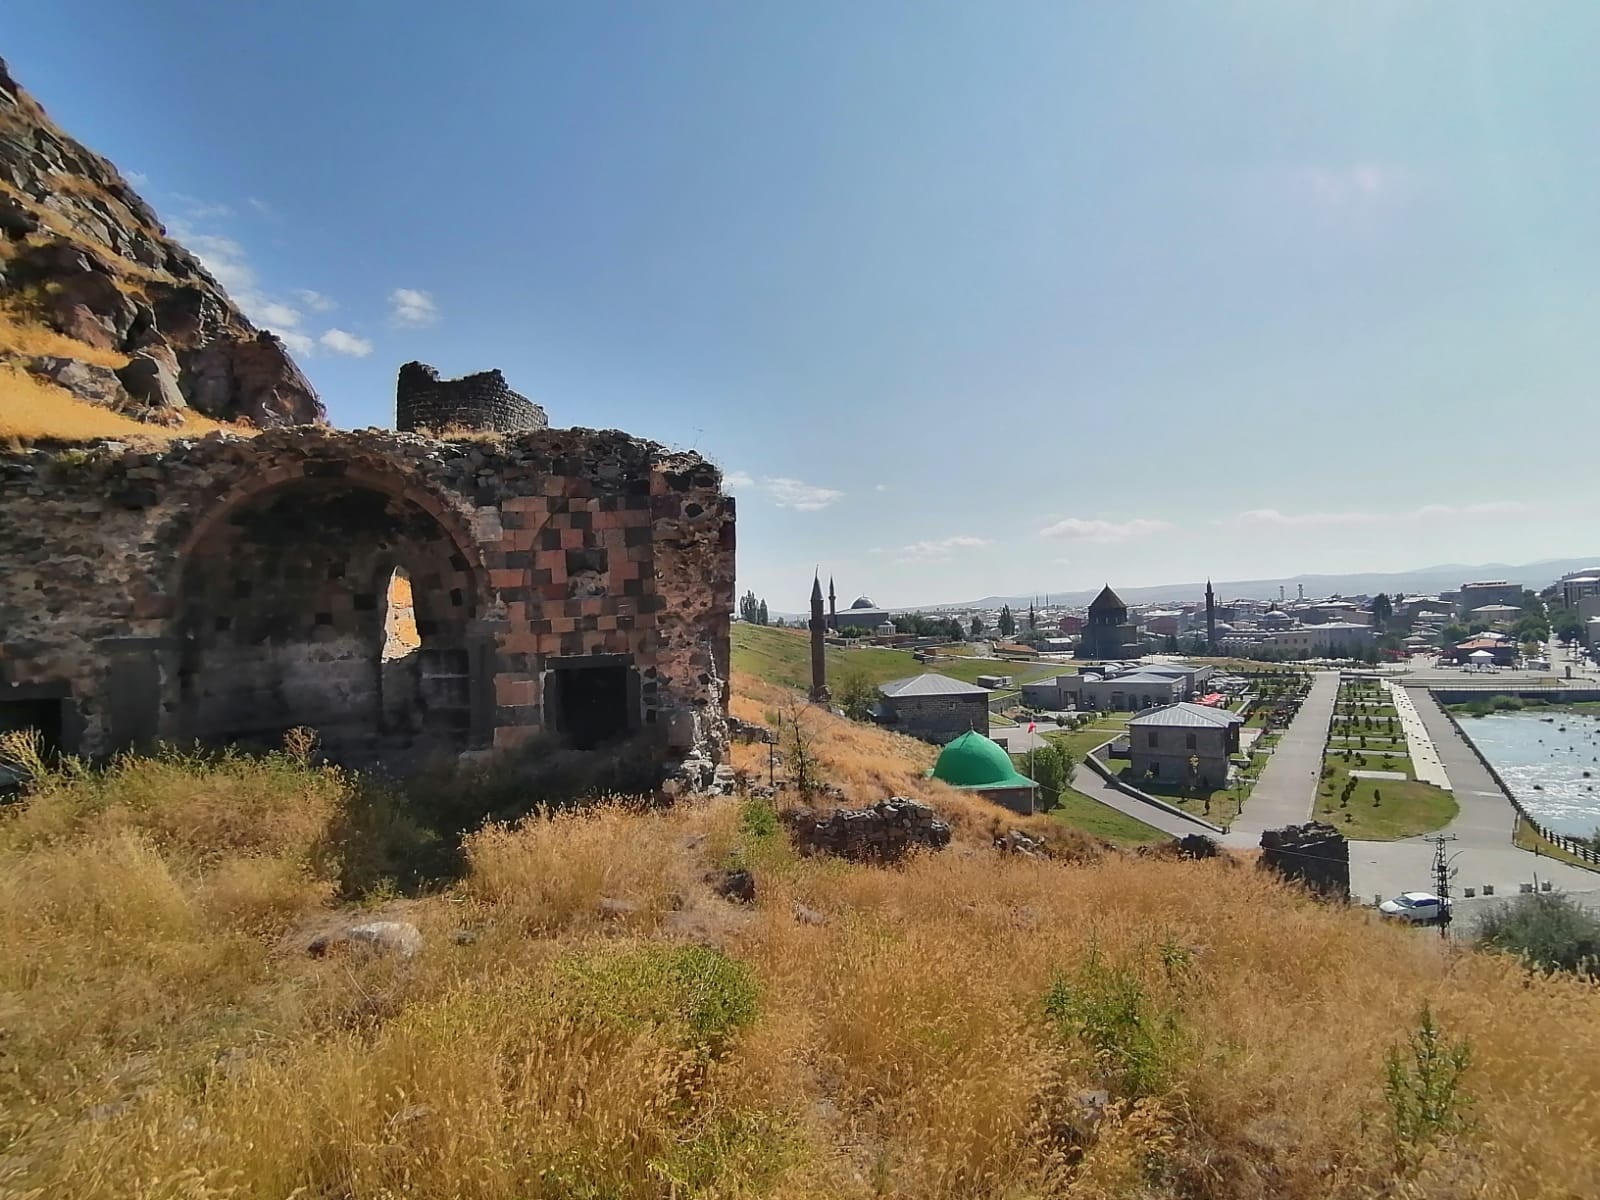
(1441, 879)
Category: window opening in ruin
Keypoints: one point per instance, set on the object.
(400, 636)
(590, 705)
(334, 606)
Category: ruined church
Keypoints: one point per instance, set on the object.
(228, 588)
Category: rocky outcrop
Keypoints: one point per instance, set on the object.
(82, 255)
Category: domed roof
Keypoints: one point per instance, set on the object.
(863, 602)
(974, 761)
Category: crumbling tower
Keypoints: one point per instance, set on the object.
(482, 401)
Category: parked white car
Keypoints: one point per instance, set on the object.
(1419, 908)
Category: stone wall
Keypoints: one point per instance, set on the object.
(883, 832)
(423, 401)
(1312, 854)
(228, 588)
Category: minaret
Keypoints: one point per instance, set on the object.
(833, 607)
(1211, 619)
(819, 668)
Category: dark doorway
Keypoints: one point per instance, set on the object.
(590, 705)
(43, 715)
(46, 716)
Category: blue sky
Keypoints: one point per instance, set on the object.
(965, 298)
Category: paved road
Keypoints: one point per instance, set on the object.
(1483, 850)
(1091, 785)
(1287, 789)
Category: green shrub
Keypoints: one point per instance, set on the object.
(696, 996)
(1546, 929)
(1423, 1087)
(1135, 1042)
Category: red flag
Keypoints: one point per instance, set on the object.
(1030, 726)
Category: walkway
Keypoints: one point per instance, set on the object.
(1419, 743)
(1482, 829)
(1287, 790)
(1085, 780)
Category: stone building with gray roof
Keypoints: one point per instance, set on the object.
(932, 707)
(1183, 744)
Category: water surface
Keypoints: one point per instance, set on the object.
(1544, 766)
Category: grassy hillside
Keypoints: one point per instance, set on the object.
(969, 1026)
(783, 657)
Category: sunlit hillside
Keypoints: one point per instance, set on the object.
(33, 410)
(783, 656)
(586, 1017)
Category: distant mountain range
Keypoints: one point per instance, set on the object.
(1425, 580)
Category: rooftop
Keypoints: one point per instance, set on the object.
(1186, 716)
(930, 684)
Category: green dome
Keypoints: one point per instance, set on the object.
(974, 761)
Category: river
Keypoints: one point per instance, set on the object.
(1554, 774)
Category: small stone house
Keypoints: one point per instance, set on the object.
(932, 707)
(1183, 744)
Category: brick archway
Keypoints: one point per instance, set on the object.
(280, 592)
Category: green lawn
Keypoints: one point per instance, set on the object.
(1405, 809)
(1082, 812)
(1080, 741)
(783, 657)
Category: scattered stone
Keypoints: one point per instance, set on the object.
(1015, 841)
(736, 886)
(1197, 845)
(749, 731)
(883, 832)
(808, 916)
(400, 938)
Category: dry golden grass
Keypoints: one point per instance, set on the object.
(31, 409)
(22, 335)
(166, 1035)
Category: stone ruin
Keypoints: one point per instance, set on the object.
(1312, 854)
(230, 588)
(886, 831)
(423, 401)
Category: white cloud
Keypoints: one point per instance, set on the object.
(941, 550)
(263, 208)
(1273, 518)
(230, 265)
(224, 258)
(408, 306)
(797, 494)
(298, 343)
(880, 487)
(277, 315)
(137, 178)
(1079, 529)
(782, 491)
(200, 210)
(341, 342)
